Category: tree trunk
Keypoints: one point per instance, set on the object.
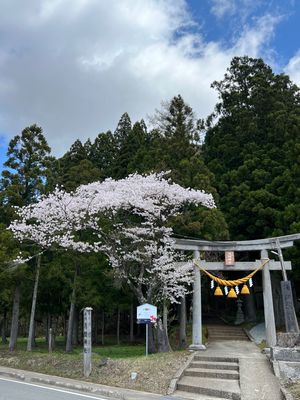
(182, 324)
(33, 344)
(163, 345)
(165, 324)
(15, 320)
(151, 340)
(30, 341)
(102, 327)
(131, 333)
(3, 328)
(75, 327)
(53, 324)
(71, 315)
(118, 326)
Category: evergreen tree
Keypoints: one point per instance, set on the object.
(28, 159)
(75, 167)
(180, 151)
(253, 149)
(121, 136)
(103, 154)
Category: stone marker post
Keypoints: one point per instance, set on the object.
(87, 341)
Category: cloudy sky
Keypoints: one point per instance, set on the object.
(74, 66)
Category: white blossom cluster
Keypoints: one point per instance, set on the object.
(125, 219)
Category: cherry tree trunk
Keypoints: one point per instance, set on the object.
(151, 339)
(163, 345)
(71, 315)
(30, 341)
(182, 324)
(15, 319)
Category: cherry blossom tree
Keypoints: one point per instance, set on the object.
(125, 219)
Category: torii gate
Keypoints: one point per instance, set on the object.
(262, 245)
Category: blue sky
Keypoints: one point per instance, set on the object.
(221, 20)
(74, 66)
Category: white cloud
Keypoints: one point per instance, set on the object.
(74, 66)
(253, 40)
(293, 68)
(220, 8)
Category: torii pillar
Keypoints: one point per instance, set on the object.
(268, 302)
(197, 308)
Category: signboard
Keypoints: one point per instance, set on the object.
(146, 314)
(229, 258)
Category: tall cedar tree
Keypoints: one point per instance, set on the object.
(75, 167)
(253, 150)
(22, 183)
(180, 151)
(28, 159)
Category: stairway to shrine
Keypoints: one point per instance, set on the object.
(210, 378)
(225, 332)
(228, 369)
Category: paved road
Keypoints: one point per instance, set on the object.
(16, 390)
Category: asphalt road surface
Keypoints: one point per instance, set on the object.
(16, 390)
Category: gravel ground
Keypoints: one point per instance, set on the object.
(154, 372)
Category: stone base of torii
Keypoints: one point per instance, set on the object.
(262, 245)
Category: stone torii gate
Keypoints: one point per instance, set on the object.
(262, 245)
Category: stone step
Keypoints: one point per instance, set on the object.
(245, 338)
(180, 395)
(239, 330)
(227, 334)
(215, 373)
(216, 359)
(226, 331)
(212, 365)
(226, 389)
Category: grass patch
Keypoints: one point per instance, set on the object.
(105, 351)
(154, 371)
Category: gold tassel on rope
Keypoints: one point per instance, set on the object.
(232, 294)
(223, 282)
(245, 289)
(218, 291)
